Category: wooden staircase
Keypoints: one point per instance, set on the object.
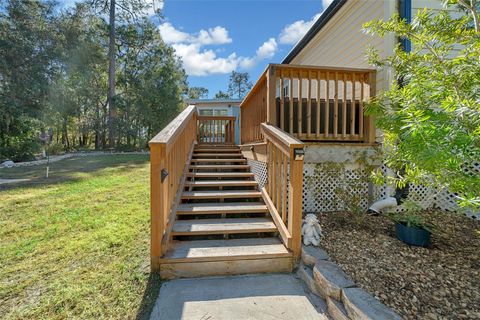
(222, 225)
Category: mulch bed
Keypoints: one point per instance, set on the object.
(439, 282)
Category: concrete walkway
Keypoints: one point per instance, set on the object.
(7, 181)
(273, 296)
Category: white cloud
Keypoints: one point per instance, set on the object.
(326, 3)
(198, 61)
(292, 33)
(266, 51)
(171, 35)
(217, 35)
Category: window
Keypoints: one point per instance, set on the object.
(213, 112)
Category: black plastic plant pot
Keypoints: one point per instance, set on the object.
(412, 236)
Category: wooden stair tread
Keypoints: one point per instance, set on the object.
(223, 226)
(217, 155)
(221, 183)
(218, 160)
(221, 250)
(222, 207)
(219, 174)
(220, 166)
(207, 150)
(222, 194)
(215, 146)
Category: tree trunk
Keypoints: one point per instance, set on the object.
(112, 112)
(65, 140)
(97, 126)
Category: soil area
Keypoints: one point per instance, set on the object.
(439, 282)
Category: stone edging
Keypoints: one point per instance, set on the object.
(70, 155)
(345, 301)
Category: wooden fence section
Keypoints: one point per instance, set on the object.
(283, 191)
(312, 103)
(254, 111)
(170, 152)
(216, 130)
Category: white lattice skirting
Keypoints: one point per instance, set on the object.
(326, 189)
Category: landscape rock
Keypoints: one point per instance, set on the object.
(306, 274)
(330, 279)
(360, 305)
(7, 164)
(311, 254)
(336, 310)
(443, 279)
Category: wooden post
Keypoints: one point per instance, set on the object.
(295, 203)
(271, 96)
(158, 203)
(370, 121)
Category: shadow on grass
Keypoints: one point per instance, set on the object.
(68, 169)
(149, 298)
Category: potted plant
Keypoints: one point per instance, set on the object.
(411, 228)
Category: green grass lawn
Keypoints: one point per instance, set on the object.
(77, 245)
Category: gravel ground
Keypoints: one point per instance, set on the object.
(439, 282)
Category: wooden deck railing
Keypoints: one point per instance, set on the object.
(254, 111)
(283, 191)
(170, 152)
(311, 103)
(216, 130)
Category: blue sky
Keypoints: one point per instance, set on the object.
(215, 37)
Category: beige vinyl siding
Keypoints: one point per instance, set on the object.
(421, 4)
(436, 5)
(342, 43)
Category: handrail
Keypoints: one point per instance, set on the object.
(257, 86)
(312, 103)
(283, 191)
(170, 151)
(170, 132)
(254, 111)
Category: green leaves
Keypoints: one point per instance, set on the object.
(431, 114)
(53, 73)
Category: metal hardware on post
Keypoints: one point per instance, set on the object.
(299, 153)
(163, 175)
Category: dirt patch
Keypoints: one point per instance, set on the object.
(439, 282)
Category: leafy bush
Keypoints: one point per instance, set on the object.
(20, 151)
(411, 217)
(431, 114)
